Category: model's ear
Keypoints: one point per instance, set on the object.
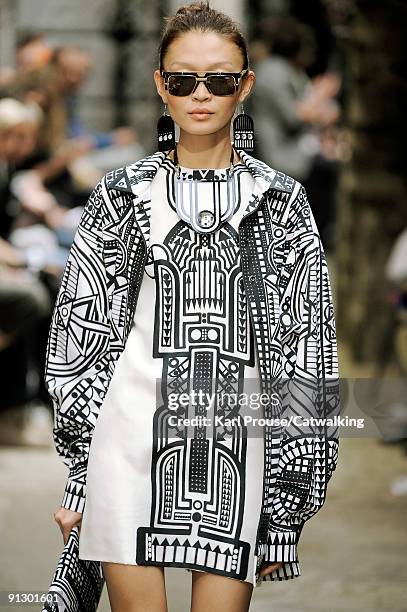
(159, 83)
(246, 86)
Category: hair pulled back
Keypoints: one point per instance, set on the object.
(200, 16)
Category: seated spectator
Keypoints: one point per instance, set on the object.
(25, 305)
(25, 203)
(25, 299)
(70, 159)
(72, 66)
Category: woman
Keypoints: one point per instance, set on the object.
(222, 258)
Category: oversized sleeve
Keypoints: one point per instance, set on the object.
(77, 359)
(309, 388)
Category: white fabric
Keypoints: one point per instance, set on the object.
(119, 478)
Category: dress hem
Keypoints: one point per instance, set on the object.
(276, 575)
(169, 564)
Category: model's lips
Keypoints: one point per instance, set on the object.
(201, 114)
(201, 111)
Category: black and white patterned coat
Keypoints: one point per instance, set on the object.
(290, 306)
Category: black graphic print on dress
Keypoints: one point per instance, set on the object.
(203, 335)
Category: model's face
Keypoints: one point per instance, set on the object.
(203, 52)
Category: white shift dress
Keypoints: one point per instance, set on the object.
(170, 481)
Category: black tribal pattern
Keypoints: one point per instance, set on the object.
(289, 298)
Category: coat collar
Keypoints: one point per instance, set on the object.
(136, 180)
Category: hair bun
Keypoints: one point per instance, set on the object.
(194, 7)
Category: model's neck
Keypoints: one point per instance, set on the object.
(205, 151)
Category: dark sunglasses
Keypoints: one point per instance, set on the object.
(218, 83)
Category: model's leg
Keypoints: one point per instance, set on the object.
(215, 593)
(135, 588)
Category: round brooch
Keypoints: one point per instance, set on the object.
(206, 218)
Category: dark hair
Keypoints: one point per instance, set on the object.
(200, 16)
(288, 39)
(26, 38)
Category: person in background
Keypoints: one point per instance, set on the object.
(102, 150)
(26, 205)
(73, 65)
(25, 308)
(294, 115)
(19, 125)
(32, 52)
(71, 156)
(25, 302)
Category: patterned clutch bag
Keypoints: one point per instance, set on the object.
(77, 584)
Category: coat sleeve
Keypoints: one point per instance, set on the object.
(309, 391)
(77, 359)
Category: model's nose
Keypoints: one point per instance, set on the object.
(201, 92)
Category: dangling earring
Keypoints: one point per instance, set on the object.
(243, 132)
(165, 131)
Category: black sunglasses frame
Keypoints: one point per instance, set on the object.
(236, 76)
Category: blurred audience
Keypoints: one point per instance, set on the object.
(25, 300)
(49, 163)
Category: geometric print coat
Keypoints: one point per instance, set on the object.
(290, 305)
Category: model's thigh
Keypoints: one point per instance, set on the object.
(135, 588)
(215, 593)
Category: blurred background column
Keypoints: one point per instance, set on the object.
(7, 32)
(135, 31)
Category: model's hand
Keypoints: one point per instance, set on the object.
(267, 569)
(67, 519)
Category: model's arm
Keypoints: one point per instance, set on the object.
(77, 362)
(309, 386)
